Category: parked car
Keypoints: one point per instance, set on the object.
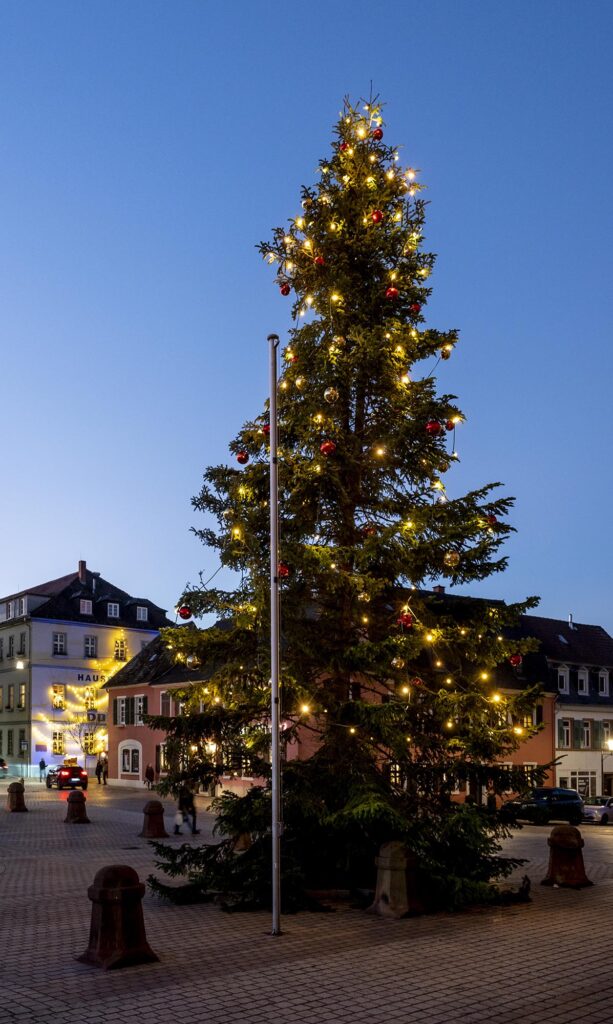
(4, 768)
(599, 810)
(67, 775)
(545, 804)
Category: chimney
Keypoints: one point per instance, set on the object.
(438, 589)
(82, 572)
(571, 624)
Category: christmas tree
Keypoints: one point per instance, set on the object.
(389, 699)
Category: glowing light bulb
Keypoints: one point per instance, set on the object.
(438, 664)
(496, 698)
(484, 676)
(236, 532)
(352, 730)
(361, 132)
(405, 379)
(333, 226)
(449, 680)
(518, 730)
(309, 300)
(307, 244)
(405, 689)
(380, 451)
(335, 297)
(299, 223)
(305, 709)
(270, 257)
(390, 175)
(398, 216)
(430, 637)
(411, 174)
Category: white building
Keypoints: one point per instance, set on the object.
(59, 642)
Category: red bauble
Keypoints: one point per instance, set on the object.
(450, 425)
(415, 307)
(266, 429)
(282, 570)
(376, 216)
(184, 612)
(368, 530)
(327, 448)
(319, 261)
(343, 146)
(491, 520)
(405, 619)
(433, 427)
(391, 293)
(377, 134)
(242, 457)
(515, 660)
(285, 288)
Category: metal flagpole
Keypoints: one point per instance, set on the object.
(273, 341)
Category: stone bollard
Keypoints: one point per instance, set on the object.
(117, 931)
(153, 821)
(15, 799)
(396, 892)
(75, 808)
(566, 866)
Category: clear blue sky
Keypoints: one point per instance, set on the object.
(147, 146)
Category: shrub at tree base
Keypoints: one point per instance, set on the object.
(390, 702)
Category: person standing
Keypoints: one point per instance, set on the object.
(149, 776)
(42, 768)
(105, 770)
(99, 770)
(187, 810)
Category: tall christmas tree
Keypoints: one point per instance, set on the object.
(389, 699)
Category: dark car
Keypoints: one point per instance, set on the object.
(4, 768)
(545, 804)
(67, 776)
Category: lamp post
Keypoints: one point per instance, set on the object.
(273, 341)
(605, 751)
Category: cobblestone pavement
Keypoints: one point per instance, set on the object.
(540, 963)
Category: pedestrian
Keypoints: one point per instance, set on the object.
(149, 776)
(42, 767)
(99, 770)
(187, 810)
(105, 770)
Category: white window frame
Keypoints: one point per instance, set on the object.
(138, 709)
(112, 610)
(583, 681)
(129, 748)
(567, 732)
(58, 696)
(58, 744)
(575, 776)
(90, 646)
(586, 734)
(142, 613)
(121, 710)
(606, 732)
(120, 650)
(85, 606)
(22, 605)
(603, 682)
(563, 677)
(60, 643)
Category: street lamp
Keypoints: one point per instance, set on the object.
(605, 751)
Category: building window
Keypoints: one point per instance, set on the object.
(9, 743)
(58, 696)
(9, 609)
(90, 648)
(23, 745)
(22, 696)
(11, 650)
(121, 711)
(603, 683)
(562, 679)
(57, 742)
(89, 743)
(140, 709)
(161, 758)
(606, 733)
(583, 684)
(165, 704)
(586, 734)
(112, 610)
(89, 698)
(22, 644)
(120, 650)
(85, 606)
(564, 729)
(10, 704)
(130, 760)
(584, 783)
(355, 691)
(59, 643)
(142, 613)
(2, 649)
(22, 606)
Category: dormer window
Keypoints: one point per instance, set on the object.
(22, 606)
(9, 609)
(562, 679)
(85, 606)
(112, 610)
(142, 613)
(603, 682)
(583, 682)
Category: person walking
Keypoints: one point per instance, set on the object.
(149, 776)
(105, 770)
(42, 768)
(98, 770)
(187, 810)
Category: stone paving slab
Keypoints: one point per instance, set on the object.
(542, 962)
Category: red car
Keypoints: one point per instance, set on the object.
(67, 775)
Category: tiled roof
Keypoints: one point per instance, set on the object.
(578, 644)
(45, 589)
(154, 665)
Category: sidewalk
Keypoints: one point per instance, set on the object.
(528, 964)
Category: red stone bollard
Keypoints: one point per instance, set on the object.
(566, 866)
(153, 821)
(15, 799)
(117, 932)
(75, 808)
